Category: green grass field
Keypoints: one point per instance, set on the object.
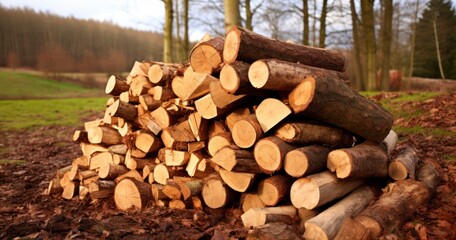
(23, 85)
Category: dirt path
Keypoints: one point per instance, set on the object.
(25, 212)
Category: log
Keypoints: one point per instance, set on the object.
(246, 131)
(91, 124)
(273, 74)
(198, 126)
(70, 190)
(430, 173)
(182, 132)
(116, 85)
(162, 173)
(273, 231)
(127, 97)
(207, 56)
(218, 142)
(100, 159)
(80, 136)
(131, 193)
(162, 94)
(148, 102)
(216, 194)
(147, 122)
(101, 189)
(397, 203)
(134, 163)
(239, 182)
(270, 153)
(177, 204)
(315, 190)
(306, 133)
(147, 142)
(221, 98)
(193, 85)
(131, 174)
(162, 118)
(234, 78)
(251, 200)
(54, 187)
(138, 69)
(176, 158)
(390, 141)
(162, 74)
(111, 171)
(270, 112)
(172, 190)
(139, 85)
(87, 174)
(326, 224)
(367, 159)
(82, 161)
(244, 45)
(105, 135)
(89, 149)
(403, 165)
(326, 99)
(124, 110)
(235, 116)
(191, 188)
(120, 149)
(306, 160)
(273, 189)
(207, 108)
(231, 158)
(258, 216)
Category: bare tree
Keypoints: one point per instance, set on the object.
(356, 46)
(168, 48)
(232, 13)
(186, 45)
(368, 29)
(437, 45)
(324, 12)
(413, 38)
(249, 13)
(387, 24)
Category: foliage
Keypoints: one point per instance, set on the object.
(25, 114)
(21, 85)
(426, 63)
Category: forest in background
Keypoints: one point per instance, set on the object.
(51, 43)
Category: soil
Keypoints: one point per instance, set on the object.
(25, 212)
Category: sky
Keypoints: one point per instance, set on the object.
(138, 14)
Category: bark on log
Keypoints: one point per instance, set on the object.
(124, 110)
(163, 94)
(305, 133)
(403, 165)
(325, 98)
(258, 216)
(318, 189)
(239, 182)
(390, 141)
(271, 112)
(162, 74)
(274, 74)
(131, 174)
(70, 190)
(273, 189)
(111, 171)
(207, 57)
(80, 136)
(367, 159)
(306, 160)
(148, 102)
(216, 194)
(270, 152)
(116, 85)
(130, 193)
(247, 46)
(231, 158)
(235, 116)
(105, 135)
(326, 224)
(246, 131)
(191, 188)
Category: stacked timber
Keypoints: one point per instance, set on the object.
(268, 125)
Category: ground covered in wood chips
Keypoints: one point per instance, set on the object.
(29, 158)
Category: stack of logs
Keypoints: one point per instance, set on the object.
(270, 125)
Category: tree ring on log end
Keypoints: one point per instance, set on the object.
(155, 73)
(267, 155)
(296, 163)
(231, 45)
(258, 74)
(227, 74)
(214, 194)
(244, 134)
(397, 171)
(302, 95)
(205, 59)
(127, 195)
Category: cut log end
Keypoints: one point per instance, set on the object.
(231, 46)
(296, 163)
(214, 194)
(130, 193)
(229, 79)
(268, 155)
(308, 188)
(313, 231)
(397, 171)
(302, 95)
(205, 58)
(339, 161)
(246, 132)
(155, 73)
(258, 74)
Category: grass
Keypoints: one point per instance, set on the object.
(8, 161)
(25, 114)
(438, 132)
(22, 85)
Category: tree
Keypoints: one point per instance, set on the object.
(436, 29)
(356, 47)
(387, 24)
(249, 13)
(186, 47)
(168, 38)
(413, 38)
(368, 30)
(232, 13)
(324, 12)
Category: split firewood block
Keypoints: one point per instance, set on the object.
(127, 97)
(191, 188)
(251, 200)
(70, 190)
(148, 102)
(198, 126)
(120, 149)
(101, 189)
(274, 230)
(176, 158)
(111, 171)
(147, 142)
(271, 112)
(232, 158)
(105, 135)
(244, 45)
(306, 160)
(222, 99)
(207, 57)
(92, 124)
(131, 193)
(193, 85)
(100, 159)
(80, 136)
(238, 181)
(89, 149)
(219, 141)
(315, 190)
(130, 174)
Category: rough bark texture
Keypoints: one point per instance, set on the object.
(273, 189)
(325, 98)
(306, 160)
(247, 46)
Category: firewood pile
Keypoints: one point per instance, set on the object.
(270, 126)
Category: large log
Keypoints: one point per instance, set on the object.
(273, 189)
(130, 193)
(318, 189)
(325, 225)
(247, 46)
(207, 56)
(258, 216)
(234, 78)
(270, 152)
(323, 97)
(305, 133)
(403, 165)
(306, 160)
(397, 203)
(216, 194)
(274, 74)
(367, 159)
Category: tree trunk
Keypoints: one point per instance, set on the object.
(281, 75)
(259, 216)
(326, 224)
(305, 25)
(318, 189)
(168, 44)
(273, 189)
(387, 25)
(327, 99)
(130, 193)
(305, 133)
(306, 160)
(270, 153)
(244, 45)
(186, 46)
(437, 46)
(324, 12)
(367, 13)
(403, 165)
(207, 57)
(364, 160)
(232, 14)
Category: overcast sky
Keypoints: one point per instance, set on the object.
(138, 14)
